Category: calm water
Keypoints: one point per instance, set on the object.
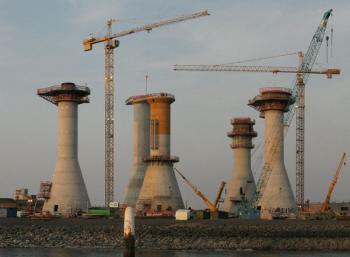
(117, 253)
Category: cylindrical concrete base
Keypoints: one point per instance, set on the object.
(141, 149)
(160, 190)
(278, 191)
(241, 185)
(68, 193)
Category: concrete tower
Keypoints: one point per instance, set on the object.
(272, 103)
(68, 193)
(160, 190)
(241, 185)
(141, 147)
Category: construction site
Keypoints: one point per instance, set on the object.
(257, 187)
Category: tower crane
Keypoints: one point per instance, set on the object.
(325, 206)
(110, 44)
(298, 91)
(264, 176)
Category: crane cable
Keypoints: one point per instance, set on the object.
(329, 48)
(332, 25)
(258, 59)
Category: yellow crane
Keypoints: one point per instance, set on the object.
(211, 206)
(300, 104)
(325, 206)
(110, 44)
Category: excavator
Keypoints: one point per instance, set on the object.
(326, 212)
(212, 207)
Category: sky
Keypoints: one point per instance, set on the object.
(41, 45)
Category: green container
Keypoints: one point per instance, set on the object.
(99, 212)
(201, 215)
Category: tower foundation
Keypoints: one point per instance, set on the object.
(68, 194)
(160, 191)
(277, 194)
(241, 186)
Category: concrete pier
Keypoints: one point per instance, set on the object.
(141, 125)
(272, 102)
(241, 186)
(68, 192)
(160, 191)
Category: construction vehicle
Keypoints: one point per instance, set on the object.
(110, 45)
(212, 207)
(298, 91)
(325, 206)
(325, 211)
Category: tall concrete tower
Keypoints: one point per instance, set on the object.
(272, 102)
(160, 190)
(68, 192)
(241, 185)
(141, 147)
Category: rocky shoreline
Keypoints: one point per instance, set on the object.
(176, 235)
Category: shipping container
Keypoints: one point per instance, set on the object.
(183, 215)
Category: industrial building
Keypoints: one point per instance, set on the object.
(241, 186)
(141, 125)
(68, 194)
(8, 208)
(272, 102)
(160, 191)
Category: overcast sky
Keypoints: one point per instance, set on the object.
(41, 46)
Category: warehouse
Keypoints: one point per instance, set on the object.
(8, 208)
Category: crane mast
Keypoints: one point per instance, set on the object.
(300, 139)
(110, 45)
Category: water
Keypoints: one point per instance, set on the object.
(49, 252)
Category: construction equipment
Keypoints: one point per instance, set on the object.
(325, 206)
(212, 207)
(325, 212)
(110, 45)
(232, 68)
(219, 193)
(298, 92)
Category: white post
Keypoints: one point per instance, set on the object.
(129, 232)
